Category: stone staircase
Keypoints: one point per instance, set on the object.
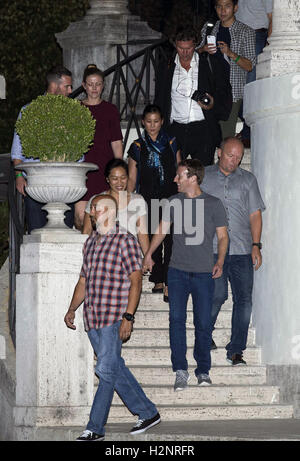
(237, 393)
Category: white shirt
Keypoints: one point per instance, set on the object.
(184, 83)
(254, 13)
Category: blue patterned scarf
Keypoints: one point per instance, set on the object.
(155, 148)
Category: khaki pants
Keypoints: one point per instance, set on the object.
(228, 127)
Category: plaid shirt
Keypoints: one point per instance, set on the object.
(108, 262)
(243, 44)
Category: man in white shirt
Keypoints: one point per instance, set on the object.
(195, 124)
(257, 14)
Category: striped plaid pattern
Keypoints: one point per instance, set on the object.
(108, 262)
(243, 44)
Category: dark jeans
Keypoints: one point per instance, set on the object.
(238, 270)
(37, 218)
(201, 286)
(195, 139)
(261, 40)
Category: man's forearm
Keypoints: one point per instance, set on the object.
(78, 295)
(222, 248)
(159, 236)
(256, 226)
(134, 294)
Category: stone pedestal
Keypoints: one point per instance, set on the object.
(272, 109)
(94, 38)
(54, 365)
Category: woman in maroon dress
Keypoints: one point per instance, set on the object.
(107, 140)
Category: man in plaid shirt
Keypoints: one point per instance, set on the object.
(110, 285)
(236, 42)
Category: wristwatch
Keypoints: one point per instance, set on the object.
(259, 245)
(128, 317)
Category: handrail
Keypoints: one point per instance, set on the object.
(16, 232)
(138, 54)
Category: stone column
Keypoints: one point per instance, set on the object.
(92, 39)
(54, 365)
(272, 108)
(282, 55)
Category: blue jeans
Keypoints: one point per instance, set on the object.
(238, 269)
(201, 286)
(114, 375)
(260, 43)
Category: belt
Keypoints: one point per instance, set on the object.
(261, 30)
(190, 123)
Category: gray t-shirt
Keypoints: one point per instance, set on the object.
(194, 225)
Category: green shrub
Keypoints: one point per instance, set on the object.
(55, 128)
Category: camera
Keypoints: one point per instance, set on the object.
(200, 95)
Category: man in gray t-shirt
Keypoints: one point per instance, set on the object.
(196, 218)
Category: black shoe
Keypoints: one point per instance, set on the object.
(144, 424)
(166, 298)
(213, 345)
(157, 290)
(236, 359)
(89, 436)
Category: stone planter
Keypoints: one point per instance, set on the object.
(56, 184)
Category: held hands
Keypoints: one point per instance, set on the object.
(148, 263)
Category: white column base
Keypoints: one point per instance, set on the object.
(54, 365)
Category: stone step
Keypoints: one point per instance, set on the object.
(160, 319)
(161, 356)
(120, 414)
(210, 395)
(226, 375)
(154, 301)
(160, 337)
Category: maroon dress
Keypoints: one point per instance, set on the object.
(107, 130)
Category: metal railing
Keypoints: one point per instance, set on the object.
(139, 68)
(16, 232)
(133, 80)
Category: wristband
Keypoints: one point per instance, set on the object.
(237, 58)
(18, 174)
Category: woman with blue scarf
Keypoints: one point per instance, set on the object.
(152, 162)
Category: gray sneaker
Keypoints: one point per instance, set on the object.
(204, 380)
(181, 381)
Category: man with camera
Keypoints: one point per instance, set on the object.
(194, 95)
(234, 41)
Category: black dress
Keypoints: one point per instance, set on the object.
(155, 180)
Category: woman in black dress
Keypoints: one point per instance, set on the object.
(152, 162)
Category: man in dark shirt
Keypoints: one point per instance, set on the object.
(110, 285)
